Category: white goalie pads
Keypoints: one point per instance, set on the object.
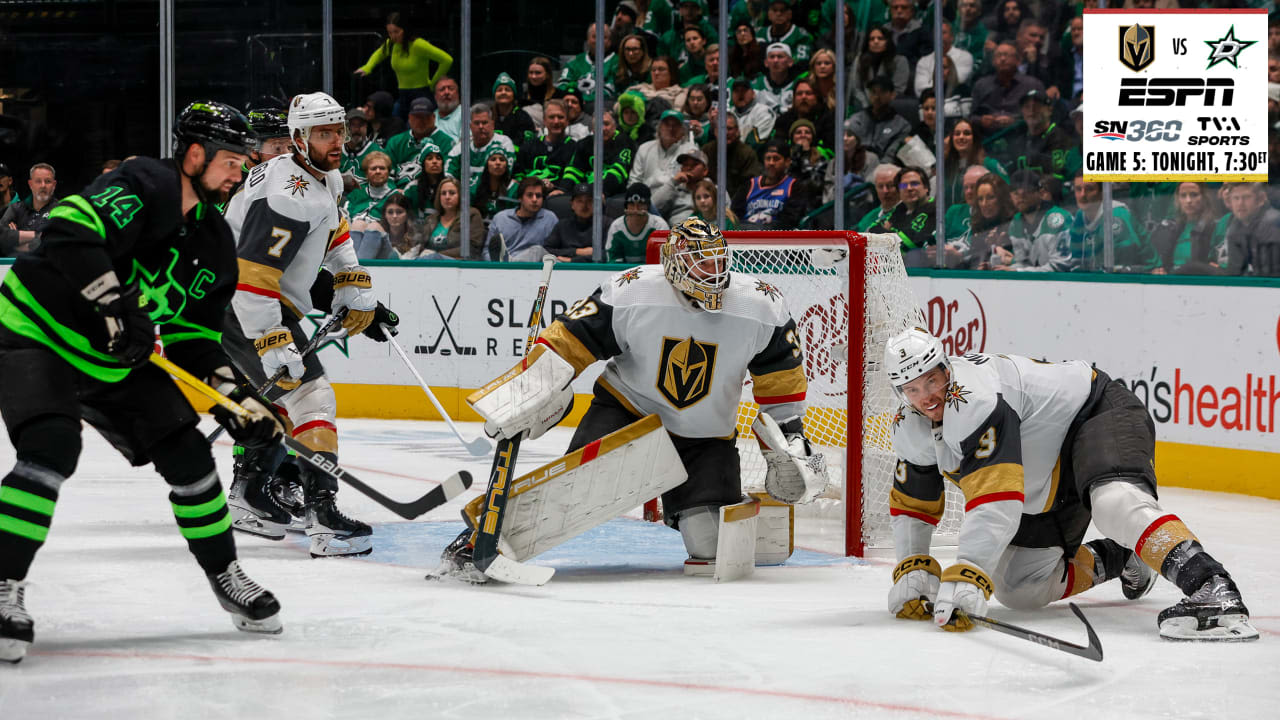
(736, 543)
(589, 487)
(534, 396)
(791, 475)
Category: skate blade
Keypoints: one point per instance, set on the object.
(247, 522)
(699, 568)
(12, 651)
(266, 626)
(469, 575)
(1228, 628)
(297, 525)
(327, 545)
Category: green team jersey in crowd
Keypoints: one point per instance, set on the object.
(1045, 153)
(776, 97)
(797, 38)
(367, 200)
(1047, 247)
(352, 162)
(621, 246)
(1132, 251)
(406, 153)
(956, 221)
(875, 219)
(659, 18)
(672, 42)
(478, 156)
(580, 73)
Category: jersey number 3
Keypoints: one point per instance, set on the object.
(986, 444)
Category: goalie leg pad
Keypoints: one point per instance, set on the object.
(589, 487)
(532, 396)
(775, 530)
(736, 543)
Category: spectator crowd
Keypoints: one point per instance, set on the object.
(1010, 120)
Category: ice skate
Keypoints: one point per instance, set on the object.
(700, 567)
(252, 608)
(1137, 578)
(286, 488)
(1214, 612)
(16, 628)
(456, 562)
(254, 509)
(334, 534)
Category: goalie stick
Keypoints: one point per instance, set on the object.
(453, 486)
(1092, 651)
(317, 339)
(486, 556)
(478, 447)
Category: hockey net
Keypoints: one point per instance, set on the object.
(848, 293)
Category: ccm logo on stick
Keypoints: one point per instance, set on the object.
(1140, 92)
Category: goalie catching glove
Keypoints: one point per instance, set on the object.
(531, 397)
(794, 474)
(964, 591)
(915, 585)
(261, 429)
(353, 289)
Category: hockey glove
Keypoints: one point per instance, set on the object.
(529, 398)
(131, 335)
(262, 428)
(382, 315)
(277, 350)
(353, 289)
(793, 474)
(964, 591)
(915, 585)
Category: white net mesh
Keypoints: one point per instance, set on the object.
(813, 274)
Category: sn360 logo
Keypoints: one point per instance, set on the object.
(1135, 130)
(1176, 92)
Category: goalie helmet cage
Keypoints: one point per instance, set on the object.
(848, 293)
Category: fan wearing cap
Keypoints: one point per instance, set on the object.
(755, 118)
(1038, 143)
(571, 239)
(880, 127)
(508, 118)
(782, 30)
(358, 145)
(776, 85)
(773, 200)
(656, 161)
(674, 198)
(407, 148)
(1040, 232)
(628, 237)
(140, 249)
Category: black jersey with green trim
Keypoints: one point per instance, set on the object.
(129, 221)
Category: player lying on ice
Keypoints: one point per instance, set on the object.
(679, 340)
(1039, 449)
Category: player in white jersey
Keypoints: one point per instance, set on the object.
(288, 227)
(1039, 449)
(679, 340)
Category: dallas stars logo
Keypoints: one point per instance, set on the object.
(297, 185)
(773, 292)
(1227, 48)
(956, 394)
(318, 319)
(628, 276)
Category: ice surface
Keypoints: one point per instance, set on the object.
(126, 626)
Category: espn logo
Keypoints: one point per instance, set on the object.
(1163, 92)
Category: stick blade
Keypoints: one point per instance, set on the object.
(480, 447)
(1094, 650)
(504, 569)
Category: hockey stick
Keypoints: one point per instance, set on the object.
(317, 339)
(453, 486)
(1092, 651)
(486, 556)
(478, 447)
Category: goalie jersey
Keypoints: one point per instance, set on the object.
(1004, 424)
(685, 364)
(287, 225)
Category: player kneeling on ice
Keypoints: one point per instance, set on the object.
(141, 247)
(678, 340)
(1039, 449)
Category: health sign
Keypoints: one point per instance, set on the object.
(1175, 95)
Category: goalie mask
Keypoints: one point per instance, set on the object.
(696, 260)
(910, 354)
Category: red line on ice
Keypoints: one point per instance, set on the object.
(463, 670)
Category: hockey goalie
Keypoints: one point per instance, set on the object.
(678, 339)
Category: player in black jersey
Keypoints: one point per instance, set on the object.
(140, 248)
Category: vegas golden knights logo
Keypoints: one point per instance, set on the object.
(686, 370)
(1137, 46)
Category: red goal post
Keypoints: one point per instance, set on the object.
(838, 286)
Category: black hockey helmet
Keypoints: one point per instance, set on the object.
(216, 126)
(269, 122)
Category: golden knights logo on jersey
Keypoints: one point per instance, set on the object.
(1137, 46)
(956, 394)
(686, 370)
(297, 184)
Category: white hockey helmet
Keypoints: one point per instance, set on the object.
(309, 110)
(685, 257)
(910, 354)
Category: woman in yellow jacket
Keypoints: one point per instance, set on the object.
(411, 59)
